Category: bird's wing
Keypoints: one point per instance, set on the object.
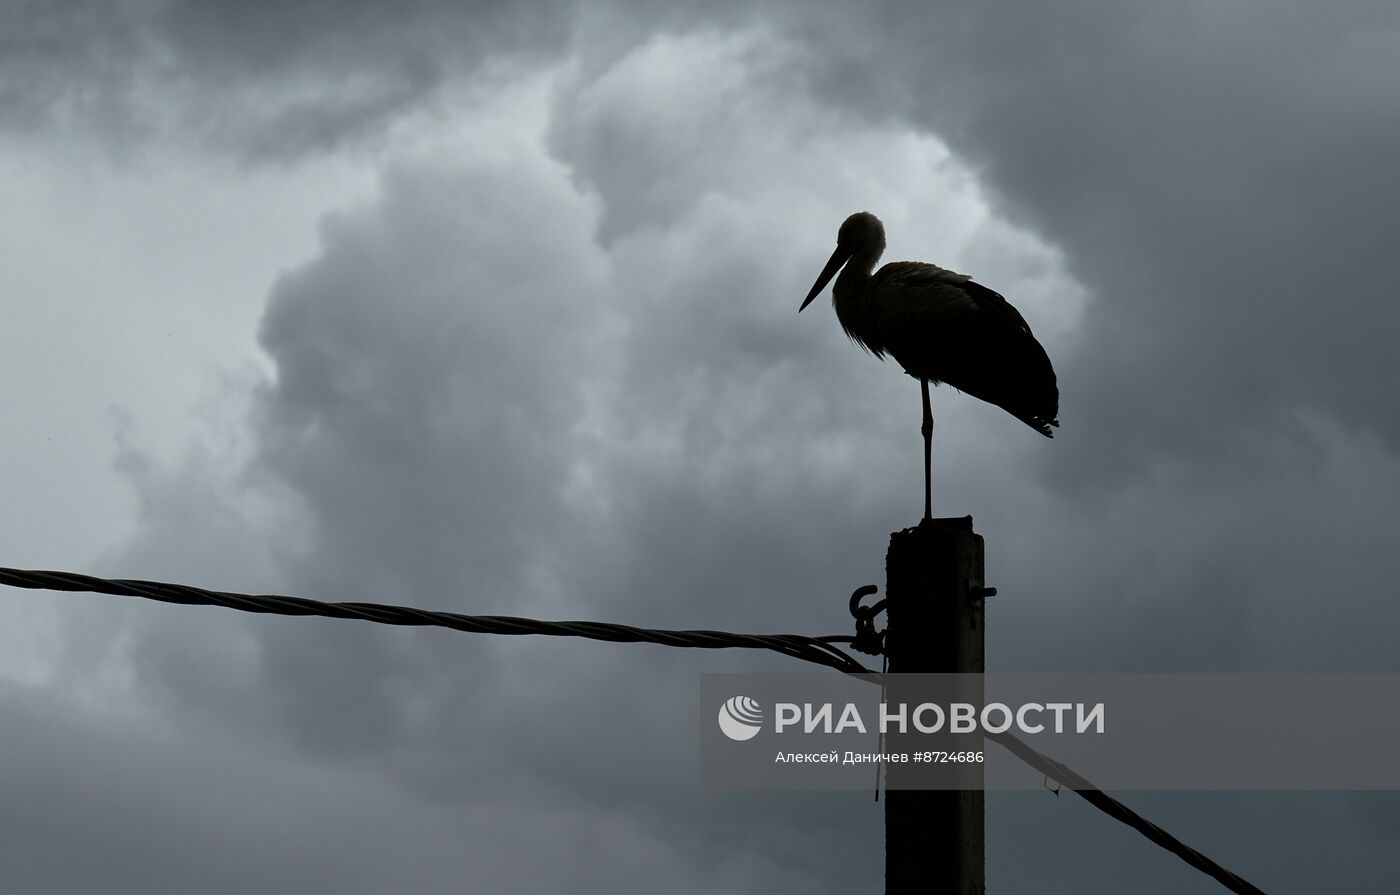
(942, 326)
(921, 289)
(906, 292)
(915, 273)
(992, 302)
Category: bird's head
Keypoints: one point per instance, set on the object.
(860, 232)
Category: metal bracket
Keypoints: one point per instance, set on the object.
(867, 639)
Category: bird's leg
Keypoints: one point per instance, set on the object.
(928, 454)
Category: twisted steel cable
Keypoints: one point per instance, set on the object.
(809, 649)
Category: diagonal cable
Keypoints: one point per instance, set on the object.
(1122, 813)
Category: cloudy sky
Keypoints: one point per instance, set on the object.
(493, 310)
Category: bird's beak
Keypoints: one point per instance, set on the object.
(838, 258)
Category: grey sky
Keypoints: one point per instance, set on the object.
(494, 311)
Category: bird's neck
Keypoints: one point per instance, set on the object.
(855, 276)
(851, 298)
(862, 263)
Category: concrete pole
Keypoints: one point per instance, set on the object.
(934, 588)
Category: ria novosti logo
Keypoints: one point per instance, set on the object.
(741, 718)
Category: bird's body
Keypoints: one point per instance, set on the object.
(940, 326)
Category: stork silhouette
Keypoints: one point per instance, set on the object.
(941, 327)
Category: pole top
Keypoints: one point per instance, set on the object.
(947, 523)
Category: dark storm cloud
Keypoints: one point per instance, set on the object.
(68, 59)
(272, 81)
(94, 801)
(280, 81)
(478, 407)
